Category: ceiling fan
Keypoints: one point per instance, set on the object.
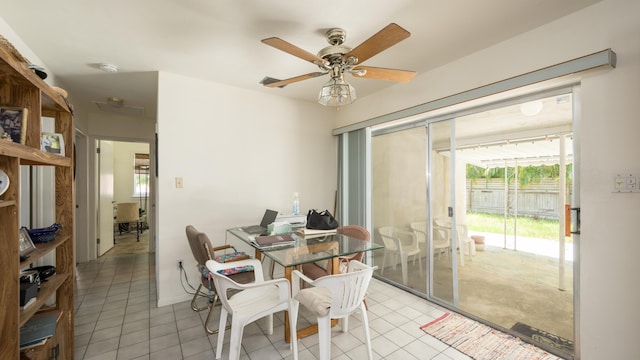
(338, 59)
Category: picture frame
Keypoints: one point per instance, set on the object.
(13, 121)
(52, 143)
(25, 243)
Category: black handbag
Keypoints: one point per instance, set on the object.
(321, 220)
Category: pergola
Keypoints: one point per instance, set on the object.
(533, 133)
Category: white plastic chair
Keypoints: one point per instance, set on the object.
(249, 303)
(394, 246)
(465, 242)
(342, 295)
(440, 242)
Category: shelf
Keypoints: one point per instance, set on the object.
(31, 156)
(21, 87)
(43, 351)
(7, 203)
(13, 71)
(47, 289)
(43, 249)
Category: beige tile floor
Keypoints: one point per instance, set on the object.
(117, 318)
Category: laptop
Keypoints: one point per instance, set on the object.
(268, 217)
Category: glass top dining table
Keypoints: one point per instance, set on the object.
(307, 249)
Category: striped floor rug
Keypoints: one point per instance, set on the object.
(480, 341)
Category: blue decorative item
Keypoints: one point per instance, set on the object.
(43, 235)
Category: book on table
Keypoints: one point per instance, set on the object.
(269, 241)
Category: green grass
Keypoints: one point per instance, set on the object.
(527, 227)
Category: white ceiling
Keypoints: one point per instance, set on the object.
(220, 40)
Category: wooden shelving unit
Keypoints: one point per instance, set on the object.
(20, 87)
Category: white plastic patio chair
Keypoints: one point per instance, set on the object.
(249, 303)
(465, 242)
(394, 246)
(440, 242)
(334, 297)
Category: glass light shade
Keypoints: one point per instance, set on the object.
(337, 92)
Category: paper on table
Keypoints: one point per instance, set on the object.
(312, 232)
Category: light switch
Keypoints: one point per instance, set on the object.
(626, 183)
(179, 183)
(631, 183)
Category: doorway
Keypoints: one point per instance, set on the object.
(124, 183)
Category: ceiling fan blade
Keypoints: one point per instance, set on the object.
(385, 74)
(282, 83)
(380, 41)
(292, 49)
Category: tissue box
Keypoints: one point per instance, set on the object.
(279, 227)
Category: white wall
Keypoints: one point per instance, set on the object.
(238, 153)
(609, 308)
(120, 127)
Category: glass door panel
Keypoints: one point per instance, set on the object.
(513, 171)
(399, 201)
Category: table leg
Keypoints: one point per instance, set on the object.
(287, 333)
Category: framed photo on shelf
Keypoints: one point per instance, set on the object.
(52, 143)
(14, 123)
(26, 245)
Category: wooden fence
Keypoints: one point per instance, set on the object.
(538, 200)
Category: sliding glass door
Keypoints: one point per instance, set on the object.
(514, 172)
(471, 209)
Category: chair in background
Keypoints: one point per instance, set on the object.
(249, 303)
(440, 241)
(127, 214)
(316, 270)
(203, 251)
(394, 246)
(334, 297)
(464, 242)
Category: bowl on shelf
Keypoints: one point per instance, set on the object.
(43, 235)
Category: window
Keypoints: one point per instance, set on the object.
(141, 175)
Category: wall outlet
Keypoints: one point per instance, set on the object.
(180, 263)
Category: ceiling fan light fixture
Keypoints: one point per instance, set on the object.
(337, 92)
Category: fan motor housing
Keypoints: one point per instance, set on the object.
(334, 52)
